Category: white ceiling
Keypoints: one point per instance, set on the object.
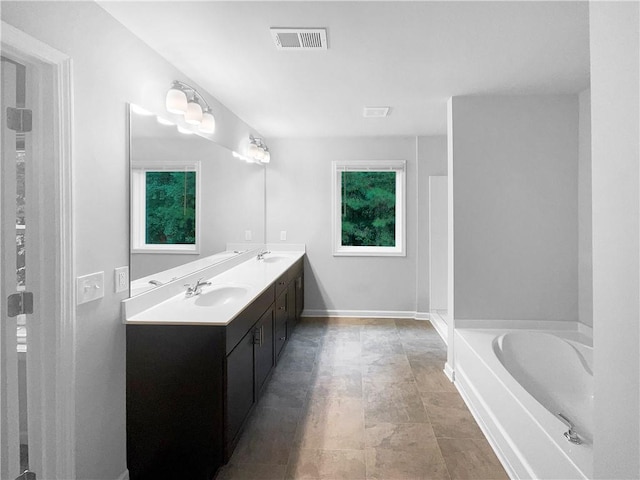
(410, 56)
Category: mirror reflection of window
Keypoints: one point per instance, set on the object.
(165, 210)
(170, 208)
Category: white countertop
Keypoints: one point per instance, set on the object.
(246, 280)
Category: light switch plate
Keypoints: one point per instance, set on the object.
(90, 287)
(247, 235)
(121, 279)
(283, 235)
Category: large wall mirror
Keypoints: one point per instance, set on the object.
(190, 198)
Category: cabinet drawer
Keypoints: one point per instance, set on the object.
(240, 325)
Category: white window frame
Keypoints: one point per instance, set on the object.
(398, 166)
(138, 206)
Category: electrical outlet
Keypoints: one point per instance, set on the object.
(247, 235)
(121, 279)
(90, 287)
(283, 235)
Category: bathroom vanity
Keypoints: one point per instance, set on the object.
(192, 382)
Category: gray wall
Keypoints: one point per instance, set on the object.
(438, 244)
(585, 250)
(110, 68)
(299, 201)
(615, 125)
(515, 200)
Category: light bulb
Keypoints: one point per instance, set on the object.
(208, 124)
(176, 100)
(252, 150)
(193, 115)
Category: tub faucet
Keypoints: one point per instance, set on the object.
(262, 254)
(570, 435)
(195, 289)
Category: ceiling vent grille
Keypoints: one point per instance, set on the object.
(375, 112)
(292, 39)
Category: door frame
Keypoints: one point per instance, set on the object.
(59, 448)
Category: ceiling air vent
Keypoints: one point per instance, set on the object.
(375, 112)
(300, 38)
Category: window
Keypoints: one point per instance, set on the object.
(165, 207)
(369, 208)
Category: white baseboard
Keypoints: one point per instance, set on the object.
(124, 475)
(449, 372)
(365, 314)
(440, 325)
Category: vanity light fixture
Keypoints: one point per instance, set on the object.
(258, 150)
(195, 108)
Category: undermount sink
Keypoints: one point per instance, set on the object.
(220, 295)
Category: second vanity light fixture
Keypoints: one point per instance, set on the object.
(186, 100)
(258, 150)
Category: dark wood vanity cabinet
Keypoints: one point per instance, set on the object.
(191, 388)
(281, 323)
(174, 395)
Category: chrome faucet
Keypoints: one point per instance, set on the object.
(195, 289)
(262, 254)
(570, 435)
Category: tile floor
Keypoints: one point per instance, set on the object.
(362, 399)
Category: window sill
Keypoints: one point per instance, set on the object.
(168, 249)
(373, 252)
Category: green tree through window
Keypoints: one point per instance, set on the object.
(369, 209)
(170, 208)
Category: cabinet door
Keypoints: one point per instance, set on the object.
(281, 322)
(263, 349)
(291, 306)
(240, 394)
(299, 282)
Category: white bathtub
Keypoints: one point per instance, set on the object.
(515, 382)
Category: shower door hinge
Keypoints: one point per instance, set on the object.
(19, 119)
(20, 303)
